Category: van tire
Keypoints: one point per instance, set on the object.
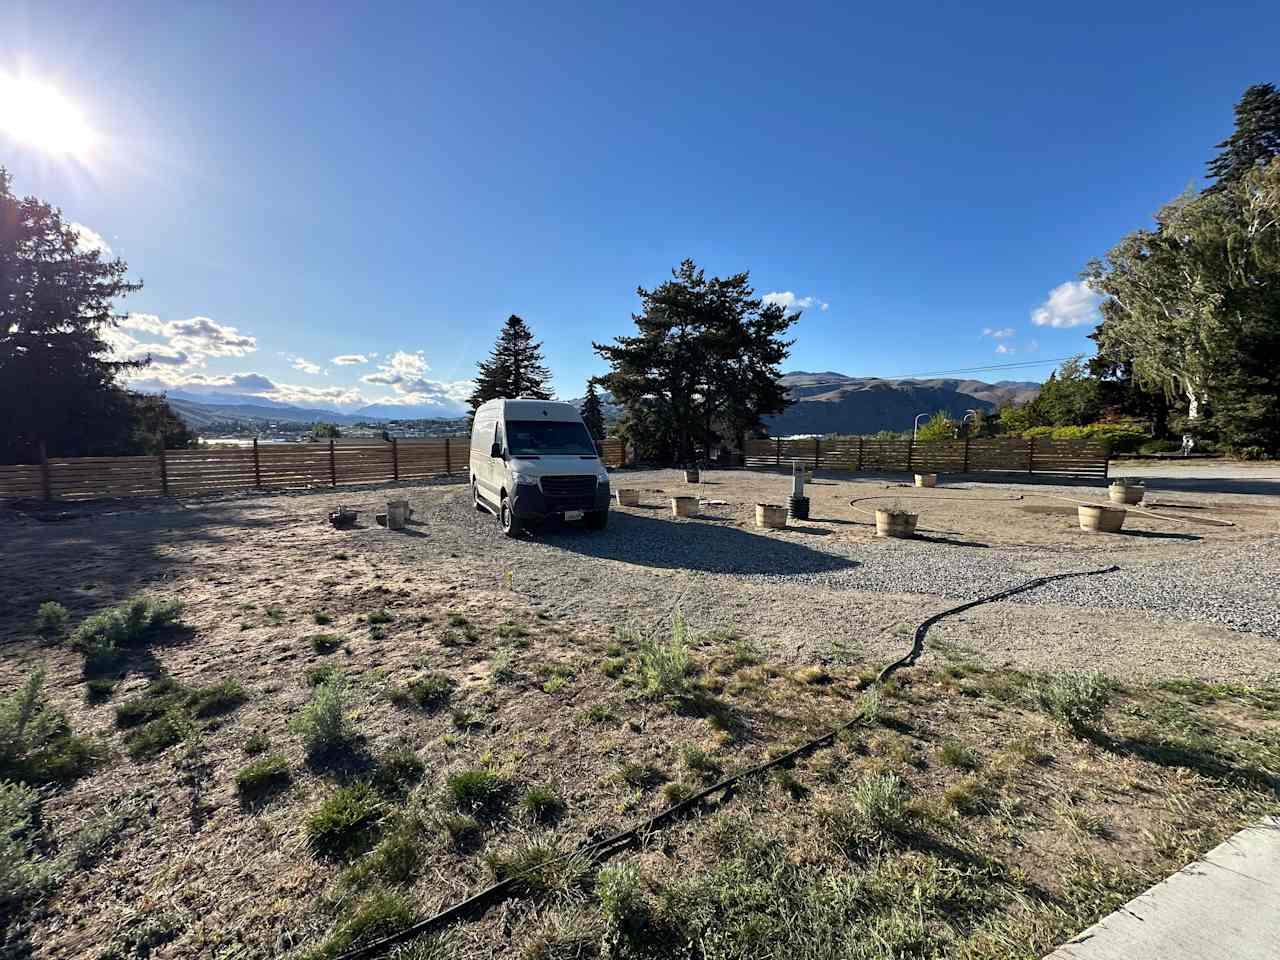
(511, 524)
(596, 519)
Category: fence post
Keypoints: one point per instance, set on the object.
(395, 460)
(164, 470)
(817, 452)
(46, 487)
(861, 441)
(911, 452)
(333, 467)
(257, 465)
(1031, 455)
(777, 444)
(448, 461)
(966, 456)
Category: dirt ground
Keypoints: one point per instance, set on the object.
(256, 574)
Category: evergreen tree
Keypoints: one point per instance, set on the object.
(592, 413)
(514, 368)
(57, 383)
(704, 363)
(1256, 139)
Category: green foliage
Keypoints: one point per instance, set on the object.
(477, 791)
(156, 699)
(24, 873)
(397, 770)
(874, 811)
(262, 778)
(664, 667)
(323, 724)
(51, 621)
(515, 367)
(381, 615)
(538, 867)
(37, 745)
(956, 754)
(216, 699)
(257, 743)
(325, 673)
(324, 643)
(541, 803)
(430, 692)
(1256, 139)
(592, 412)
(704, 361)
(379, 914)
(1076, 700)
(102, 636)
(619, 888)
(345, 823)
(325, 431)
(937, 428)
(157, 736)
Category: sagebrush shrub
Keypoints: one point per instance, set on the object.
(323, 724)
(23, 873)
(1075, 700)
(102, 636)
(37, 744)
(263, 777)
(664, 667)
(51, 620)
(345, 824)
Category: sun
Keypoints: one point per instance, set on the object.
(37, 115)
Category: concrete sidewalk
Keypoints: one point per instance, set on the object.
(1225, 905)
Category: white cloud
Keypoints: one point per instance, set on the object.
(89, 239)
(997, 334)
(306, 366)
(198, 337)
(303, 395)
(248, 383)
(1070, 304)
(350, 358)
(787, 299)
(1004, 348)
(404, 374)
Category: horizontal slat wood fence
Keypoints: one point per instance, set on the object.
(1080, 459)
(280, 466)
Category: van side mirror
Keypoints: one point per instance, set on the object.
(495, 450)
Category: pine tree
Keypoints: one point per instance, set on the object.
(57, 383)
(1256, 139)
(592, 413)
(514, 368)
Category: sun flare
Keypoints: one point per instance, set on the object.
(37, 115)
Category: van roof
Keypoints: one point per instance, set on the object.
(526, 409)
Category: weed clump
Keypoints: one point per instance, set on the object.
(346, 823)
(323, 724)
(380, 914)
(1075, 700)
(397, 770)
(51, 621)
(541, 803)
(538, 868)
(477, 791)
(664, 667)
(324, 643)
(430, 692)
(23, 872)
(102, 636)
(37, 745)
(263, 778)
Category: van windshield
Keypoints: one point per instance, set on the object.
(532, 438)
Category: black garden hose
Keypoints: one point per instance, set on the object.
(603, 849)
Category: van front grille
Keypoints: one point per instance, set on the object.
(575, 488)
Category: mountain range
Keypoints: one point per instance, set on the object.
(825, 402)
(831, 402)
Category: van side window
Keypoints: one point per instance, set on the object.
(497, 432)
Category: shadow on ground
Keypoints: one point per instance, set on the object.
(706, 547)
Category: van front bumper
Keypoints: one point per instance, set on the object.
(530, 503)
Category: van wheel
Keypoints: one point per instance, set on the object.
(596, 519)
(511, 524)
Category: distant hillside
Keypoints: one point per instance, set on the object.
(834, 403)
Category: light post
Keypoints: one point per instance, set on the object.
(915, 427)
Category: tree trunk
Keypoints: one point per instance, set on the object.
(1193, 418)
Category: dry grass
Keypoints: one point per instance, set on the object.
(951, 818)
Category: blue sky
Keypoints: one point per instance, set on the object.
(299, 184)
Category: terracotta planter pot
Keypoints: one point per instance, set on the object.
(691, 475)
(896, 523)
(628, 497)
(1100, 519)
(771, 516)
(1127, 493)
(684, 506)
(926, 479)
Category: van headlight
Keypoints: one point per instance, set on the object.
(602, 479)
(524, 480)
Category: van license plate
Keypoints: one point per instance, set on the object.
(573, 514)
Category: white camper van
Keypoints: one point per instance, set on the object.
(534, 459)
